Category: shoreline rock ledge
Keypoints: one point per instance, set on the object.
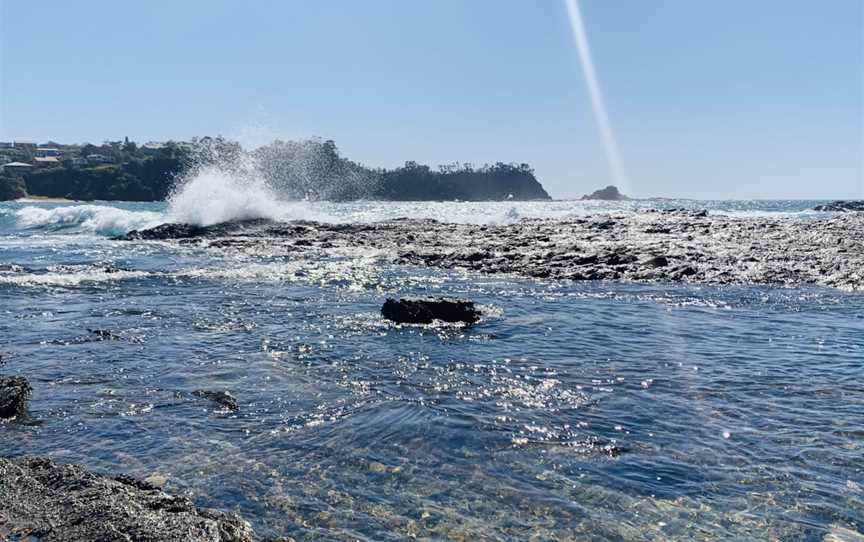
(47, 501)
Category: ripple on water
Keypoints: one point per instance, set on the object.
(588, 412)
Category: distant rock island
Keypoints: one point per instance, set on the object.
(610, 193)
(310, 169)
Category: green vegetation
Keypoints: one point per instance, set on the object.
(12, 188)
(310, 169)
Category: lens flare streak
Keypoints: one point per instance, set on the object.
(598, 104)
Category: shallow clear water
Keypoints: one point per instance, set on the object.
(589, 411)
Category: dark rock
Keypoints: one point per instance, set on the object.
(686, 271)
(604, 225)
(165, 231)
(618, 258)
(658, 261)
(47, 501)
(191, 231)
(658, 229)
(223, 398)
(841, 206)
(14, 393)
(610, 193)
(587, 260)
(424, 311)
(104, 334)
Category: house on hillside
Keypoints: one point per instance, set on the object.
(26, 146)
(6, 145)
(43, 152)
(46, 161)
(96, 159)
(16, 168)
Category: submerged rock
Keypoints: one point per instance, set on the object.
(841, 206)
(424, 311)
(51, 502)
(223, 398)
(14, 394)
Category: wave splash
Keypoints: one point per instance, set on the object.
(228, 187)
(98, 219)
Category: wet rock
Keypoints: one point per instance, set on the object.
(165, 231)
(841, 206)
(223, 398)
(658, 261)
(51, 502)
(822, 251)
(425, 311)
(104, 334)
(14, 393)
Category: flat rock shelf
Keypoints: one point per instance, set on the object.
(661, 246)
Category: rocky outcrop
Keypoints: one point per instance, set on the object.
(841, 207)
(668, 246)
(425, 311)
(14, 393)
(50, 502)
(610, 193)
(222, 398)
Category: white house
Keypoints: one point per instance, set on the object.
(47, 152)
(16, 168)
(46, 161)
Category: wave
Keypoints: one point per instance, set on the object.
(99, 219)
(212, 195)
(67, 279)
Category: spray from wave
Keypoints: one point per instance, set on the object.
(277, 182)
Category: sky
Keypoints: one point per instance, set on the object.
(736, 99)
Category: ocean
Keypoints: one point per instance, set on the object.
(590, 410)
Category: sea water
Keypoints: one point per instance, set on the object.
(586, 411)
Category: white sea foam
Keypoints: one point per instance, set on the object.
(99, 219)
(214, 194)
(70, 279)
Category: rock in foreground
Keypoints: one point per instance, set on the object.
(841, 207)
(14, 394)
(425, 311)
(50, 502)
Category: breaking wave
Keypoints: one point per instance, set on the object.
(98, 219)
(213, 194)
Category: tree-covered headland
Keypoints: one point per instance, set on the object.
(309, 169)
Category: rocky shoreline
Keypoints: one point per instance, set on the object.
(50, 502)
(654, 246)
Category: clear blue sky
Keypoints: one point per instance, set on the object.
(708, 99)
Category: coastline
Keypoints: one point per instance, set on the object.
(651, 246)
